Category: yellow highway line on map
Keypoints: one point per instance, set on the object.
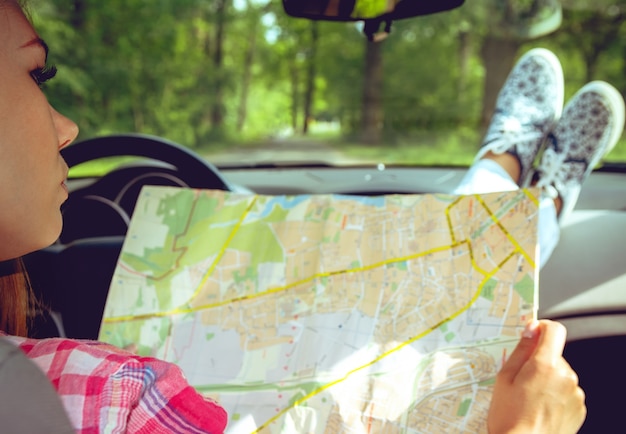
(493, 217)
(393, 350)
(449, 219)
(529, 194)
(475, 296)
(222, 250)
(208, 273)
(185, 310)
(488, 276)
(506, 232)
(181, 310)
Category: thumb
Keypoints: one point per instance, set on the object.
(522, 352)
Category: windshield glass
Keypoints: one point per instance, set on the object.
(240, 82)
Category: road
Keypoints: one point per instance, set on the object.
(284, 151)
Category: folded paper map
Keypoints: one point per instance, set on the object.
(330, 313)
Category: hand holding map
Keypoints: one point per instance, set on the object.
(547, 398)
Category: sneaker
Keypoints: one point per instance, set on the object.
(526, 110)
(591, 125)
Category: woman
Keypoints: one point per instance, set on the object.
(100, 385)
(106, 388)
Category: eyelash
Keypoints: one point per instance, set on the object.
(41, 75)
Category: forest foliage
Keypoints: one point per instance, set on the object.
(212, 71)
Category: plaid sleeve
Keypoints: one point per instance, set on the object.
(105, 389)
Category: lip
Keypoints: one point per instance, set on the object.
(64, 182)
(64, 187)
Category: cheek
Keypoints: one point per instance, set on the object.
(30, 197)
(24, 111)
(27, 225)
(30, 174)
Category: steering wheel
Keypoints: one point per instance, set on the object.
(104, 207)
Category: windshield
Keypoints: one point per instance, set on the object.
(240, 82)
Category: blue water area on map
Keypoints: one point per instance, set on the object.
(377, 201)
(288, 202)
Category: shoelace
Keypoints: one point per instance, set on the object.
(510, 132)
(552, 172)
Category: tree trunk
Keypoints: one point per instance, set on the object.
(600, 41)
(295, 93)
(309, 91)
(591, 62)
(218, 110)
(498, 56)
(372, 105)
(465, 54)
(248, 61)
(78, 15)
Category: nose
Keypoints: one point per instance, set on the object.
(67, 130)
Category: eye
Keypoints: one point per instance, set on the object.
(41, 75)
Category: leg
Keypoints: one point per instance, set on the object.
(527, 108)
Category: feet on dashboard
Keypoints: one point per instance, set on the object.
(591, 124)
(528, 105)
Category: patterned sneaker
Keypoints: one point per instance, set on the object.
(528, 105)
(591, 125)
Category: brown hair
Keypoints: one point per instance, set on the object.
(16, 297)
(17, 302)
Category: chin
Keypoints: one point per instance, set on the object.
(50, 233)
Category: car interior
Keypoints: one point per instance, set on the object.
(583, 285)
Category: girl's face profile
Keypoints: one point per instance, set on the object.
(32, 171)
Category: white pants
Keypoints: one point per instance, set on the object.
(487, 176)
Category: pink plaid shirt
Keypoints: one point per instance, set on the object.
(105, 389)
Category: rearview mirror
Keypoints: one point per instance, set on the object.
(372, 12)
